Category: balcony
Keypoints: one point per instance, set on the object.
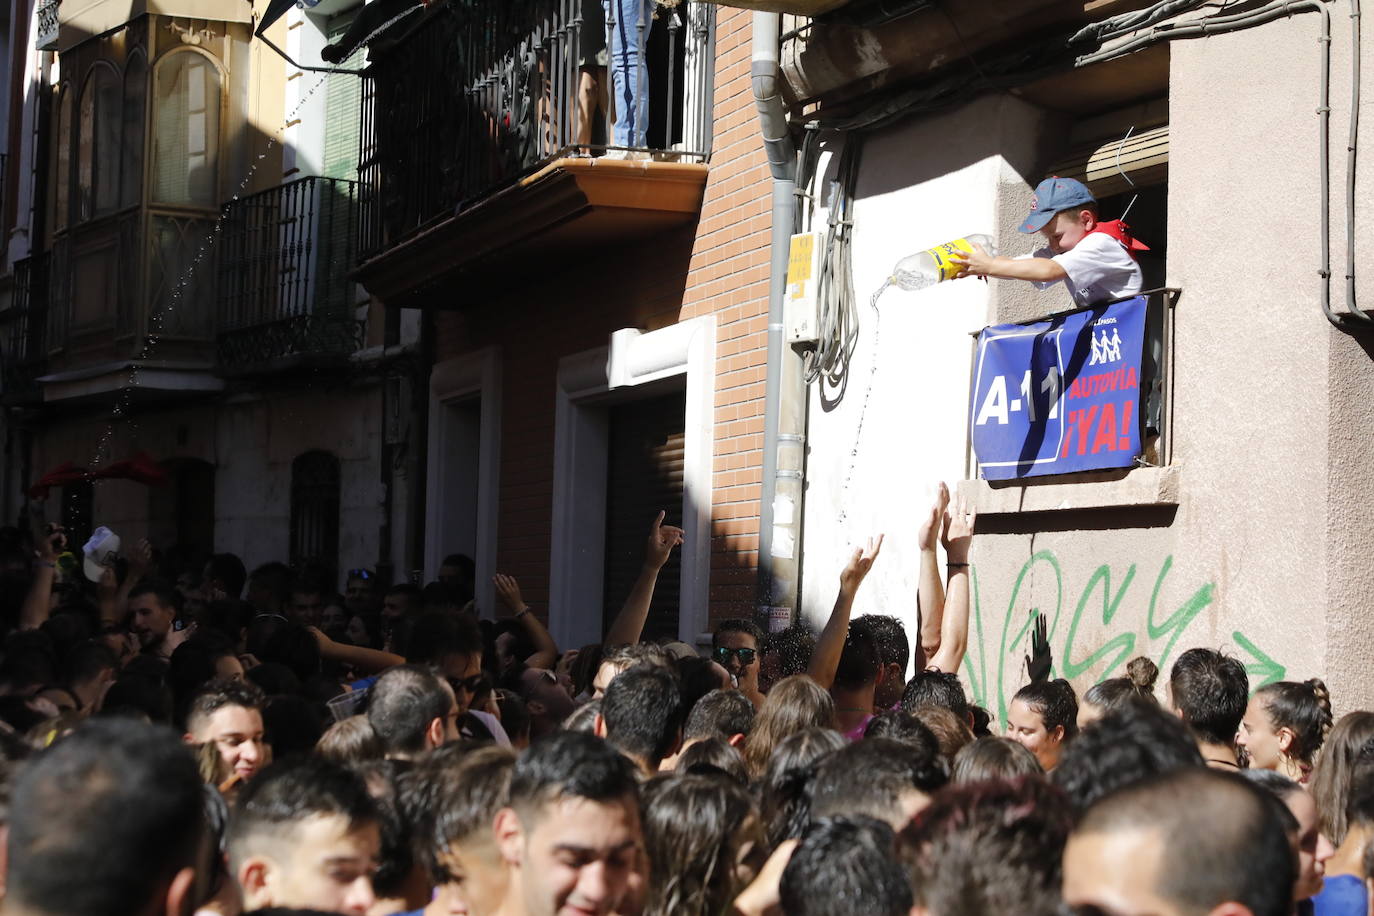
(284, 297)
(47, 25)
(474, 148)
(23, 326)
(64, 24)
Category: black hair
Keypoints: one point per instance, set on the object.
(936, 688)
(102, 820)
(904, 727)
(1055, 702)
(872, 777)
(1210, 691)
(219, 693)
(697, 677)
(570, 765)
(846, 866)
(738, 625)
(990, 847)
(275, 578)
(294, 646)
(1304, 708)
(229, 570)
(396, 852)
(401, 705)
(1221, 839)
(894, 648)
(858, 665)
(140, 695)
(515, 715)
(85, 662)
(643, 712)
(1125, 745)
(694, 827)
(293, 725)
(462, 562)
(435, 636)
(793, 647)
(785, 789)
(412, 592)
(452, 795)
(721, 713)
(280, 798)
(274, 678)
(194, 664)
(165, 592)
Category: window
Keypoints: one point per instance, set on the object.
(186, 128)
(315, 510)
(98, 144)
(61, 197)
(133, 130)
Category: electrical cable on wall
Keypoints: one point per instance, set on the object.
(837, 315)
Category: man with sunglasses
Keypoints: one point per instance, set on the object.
(735, 646)
(412, 710)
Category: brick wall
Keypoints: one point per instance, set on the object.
(572, 304)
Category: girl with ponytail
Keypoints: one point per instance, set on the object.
(1284, 727)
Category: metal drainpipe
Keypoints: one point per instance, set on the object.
(785, 391)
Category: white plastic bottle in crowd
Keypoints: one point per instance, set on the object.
(935, 265)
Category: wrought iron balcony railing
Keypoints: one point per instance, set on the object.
(23, 326)
(483, 92)
(47, 25)
(283, 289)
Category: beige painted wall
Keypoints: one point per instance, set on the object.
(1266, 552)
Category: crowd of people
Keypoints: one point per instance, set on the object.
(179, 740)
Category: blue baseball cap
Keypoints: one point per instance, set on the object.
(1053, 195)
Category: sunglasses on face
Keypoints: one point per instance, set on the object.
(745, 656)
(470, 684)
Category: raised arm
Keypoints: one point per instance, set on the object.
(545, 649)
(930, 590)
(825, 660)
(629, 623)
(360, 658)
(38, 602)
(958, 537)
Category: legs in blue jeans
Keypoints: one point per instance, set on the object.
(629, 70)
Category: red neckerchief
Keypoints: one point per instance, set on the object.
(1118, 230)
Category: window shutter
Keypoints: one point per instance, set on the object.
(1143, 156)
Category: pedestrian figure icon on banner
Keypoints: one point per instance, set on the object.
(1105, 349)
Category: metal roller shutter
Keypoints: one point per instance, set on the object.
(644, 475)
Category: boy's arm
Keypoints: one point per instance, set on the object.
(981, 264)
(930, 590)
(825, 658)
(958, 537)
(628, 625)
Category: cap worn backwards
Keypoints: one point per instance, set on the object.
(1053, 195)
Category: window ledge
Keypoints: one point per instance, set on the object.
(1099, 490)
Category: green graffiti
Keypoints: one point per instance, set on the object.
(1012, 641)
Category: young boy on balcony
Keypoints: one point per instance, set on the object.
(1095, 260)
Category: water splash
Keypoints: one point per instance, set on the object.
(159, 314)
(868, 392)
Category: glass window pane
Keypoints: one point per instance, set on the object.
(64, 163)
(186, 131)
(135, 94)
(107, 116)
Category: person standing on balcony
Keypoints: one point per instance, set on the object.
(628, 23)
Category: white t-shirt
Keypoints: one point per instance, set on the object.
(1099, 267)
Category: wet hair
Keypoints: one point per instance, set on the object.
(452, 797)
(102, 820)
(1221, 839)
(570, 765)
(737, 625)
(1138, 684)
(583, 718)
(693, 828)
(220, 693)
(893, 646)
(273, 805)
(793, 704)
(793, 648)
(904, 727)
(643, 712)
(990, 847)
(714, 756)
(951, 732)
(993, 757)
(229, 570)
(846, 866)
(350, 742)
(697, 677)
(722, 713)
(785, 787)
(1210, 691)
(873, 776)
(401, 705)
(1055, 703)
(1333, 776)
(936, 688)
(1304, 708)
(1126, 745)
(859, 663)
